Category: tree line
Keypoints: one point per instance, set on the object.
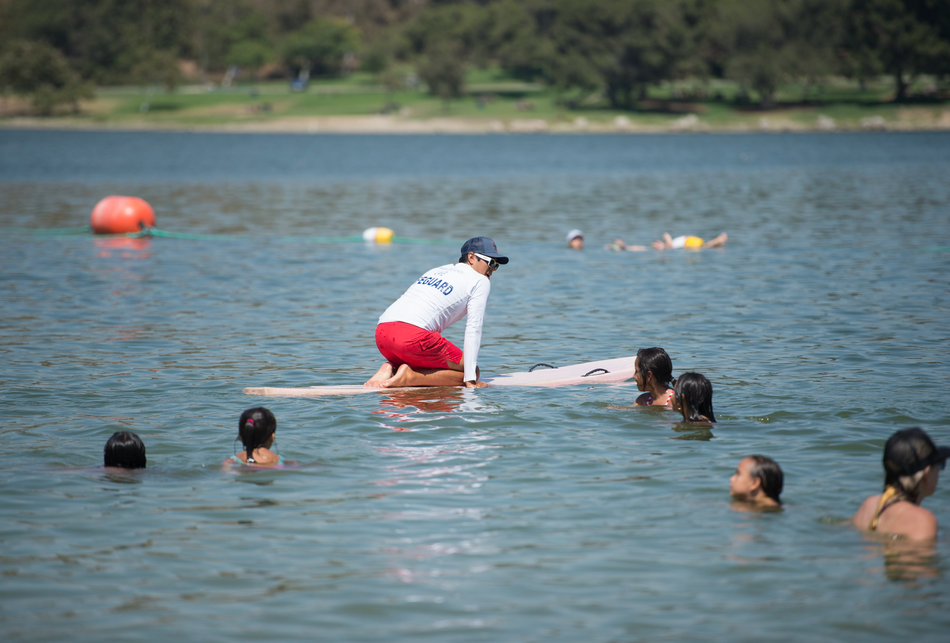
(56, 50)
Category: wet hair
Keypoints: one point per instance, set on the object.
(695, 394)
(254, 429)
(124, 449)
(655, 360)
(769, 474)
(907, 453)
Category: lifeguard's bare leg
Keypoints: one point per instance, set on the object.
(452, 376)
(718, 242)
(406, 376)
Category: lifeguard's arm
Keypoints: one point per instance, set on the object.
(475, 313)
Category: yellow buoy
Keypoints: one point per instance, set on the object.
(378, 235)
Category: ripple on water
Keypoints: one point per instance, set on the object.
(558, 514)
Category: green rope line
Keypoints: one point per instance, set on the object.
(326, 239)
(166, 234)
(935, 249)
(80, 230)
(424, 241)
(155, 232)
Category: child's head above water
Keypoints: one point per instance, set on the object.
(757, 479)
(692, 396)
(907, 455)
(256, 429)
(126, 450)
(657, 361)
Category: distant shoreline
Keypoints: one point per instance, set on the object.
(377, 124)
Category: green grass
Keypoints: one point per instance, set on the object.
(493, 96)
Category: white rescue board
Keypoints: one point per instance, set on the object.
(608, 371)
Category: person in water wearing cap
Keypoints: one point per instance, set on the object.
(575, 240)
(912, 465)
(408, 333)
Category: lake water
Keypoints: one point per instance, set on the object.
(449, 515)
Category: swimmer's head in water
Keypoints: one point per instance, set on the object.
(255, 428)
(761, 469)
(693, 395)
(906, 455)
(911, 450)
(124, 449)
(575, 239)
(653, 360)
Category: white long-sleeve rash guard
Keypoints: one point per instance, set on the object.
(440, 298)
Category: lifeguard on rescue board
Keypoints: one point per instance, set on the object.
(409, 332)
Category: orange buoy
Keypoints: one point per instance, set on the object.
(120, 214)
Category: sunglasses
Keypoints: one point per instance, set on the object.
(492, 264)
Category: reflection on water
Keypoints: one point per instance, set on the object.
(499, 514)
(693, 431)
(904, 560)
(121, 476)
(416, 405)
(123, 247)
(744, 506)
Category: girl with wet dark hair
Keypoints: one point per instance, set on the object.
(653, 372)
(124, 450)
(692, 396)
(759, 480)
(257, 430)
(912, 465)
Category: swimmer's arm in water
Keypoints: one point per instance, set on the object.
(620, 244)
(665, 244)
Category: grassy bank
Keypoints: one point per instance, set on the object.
(492, 103)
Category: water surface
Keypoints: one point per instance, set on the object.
(505, 514)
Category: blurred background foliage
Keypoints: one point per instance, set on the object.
(54, 50)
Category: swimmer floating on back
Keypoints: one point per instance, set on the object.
(674, 243)
(690, 243)
(408, 333)
(653, 372)
(912, 465)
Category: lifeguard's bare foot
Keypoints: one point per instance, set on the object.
(400, 378)
(384, 373)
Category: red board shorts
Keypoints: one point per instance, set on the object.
(402, 343)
